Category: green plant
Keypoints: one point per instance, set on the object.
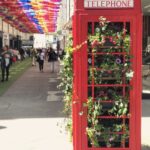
(96, 131)
(67, 78)
(66, 84)
(94, 110)
(114, 67)
(120, 107)
(110, 52)
(66, 74)
(69, 127)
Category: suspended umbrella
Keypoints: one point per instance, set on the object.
(41, 11)
(29, 15)
(13, 14)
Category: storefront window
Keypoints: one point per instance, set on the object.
(146, 39)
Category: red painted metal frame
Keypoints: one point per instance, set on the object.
(80, 19)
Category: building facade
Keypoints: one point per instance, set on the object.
(11, 36)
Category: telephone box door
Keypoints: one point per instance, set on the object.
(111, 81)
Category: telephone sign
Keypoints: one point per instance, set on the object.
(108, 3)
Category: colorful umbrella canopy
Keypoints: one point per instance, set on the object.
(34, 16)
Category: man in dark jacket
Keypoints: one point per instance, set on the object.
(5, 62)
(52, 57)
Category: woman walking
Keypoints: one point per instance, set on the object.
(40, 59)
(34, 53)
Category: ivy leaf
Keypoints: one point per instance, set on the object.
(121, 105)
(85, 105)
(124, 111)
(120, 112)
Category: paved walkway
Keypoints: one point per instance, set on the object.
(146, 111)
(31, 113)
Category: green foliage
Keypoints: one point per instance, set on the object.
(67, 78)
(112, 65)
(120, 107)
(118, 69)
(69, 127)
(95, 130)
(66, 83)
(94, 109)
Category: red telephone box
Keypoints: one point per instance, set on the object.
(107, 75)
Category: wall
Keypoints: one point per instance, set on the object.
(65, 14)
(146, 32)
(9, 30)
(39, 41)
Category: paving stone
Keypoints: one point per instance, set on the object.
(30, 112)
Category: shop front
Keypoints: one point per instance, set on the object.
(1, 40)
(17, 42)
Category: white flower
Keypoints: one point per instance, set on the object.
(87, 128)
(125, 64)
(67, 56)
(81, 113)
(129, 74)
(97, 30)
(98, 133)
(90, 60)
(118, 34)
(102, 18)
(75, 102)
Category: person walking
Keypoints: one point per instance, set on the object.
(52, 57)
(5, 63)
(22, 53)
(34, 53)
(40, 59)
